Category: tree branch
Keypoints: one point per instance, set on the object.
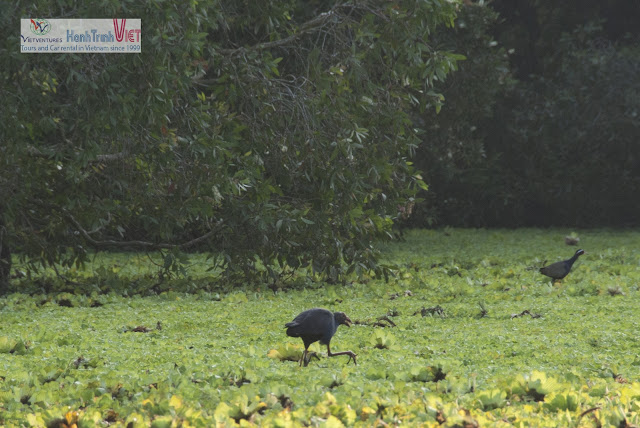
(110, 157)
(307, 27)
(136, 243)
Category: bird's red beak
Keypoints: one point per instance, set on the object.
(348, 322)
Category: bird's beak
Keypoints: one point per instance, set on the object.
(348, 322)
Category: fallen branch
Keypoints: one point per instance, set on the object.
(407, 293)
(525, 312)
(378, 322)
(586, 412)
(384, 318)
(431, 311)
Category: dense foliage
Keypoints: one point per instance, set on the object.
(290, 134)
(480, 339)
(574, 153)
(552, 138)
(276, 134)
(453, 153)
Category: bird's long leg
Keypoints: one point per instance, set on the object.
(304, 355)
(349, 353)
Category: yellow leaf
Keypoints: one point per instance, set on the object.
(71, 417)
(32, 419)
(274, 354)
(222, 409)
(175, 402)
(330, 398)
(365, 412)
(333, 422)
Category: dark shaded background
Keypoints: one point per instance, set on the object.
(541, 125)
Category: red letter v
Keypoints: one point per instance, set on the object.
(119, 31)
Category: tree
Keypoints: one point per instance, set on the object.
(272, 132)
(5, 256)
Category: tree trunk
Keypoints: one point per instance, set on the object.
(5, 258)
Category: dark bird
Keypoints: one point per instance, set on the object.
(559, 270)
(318, 324)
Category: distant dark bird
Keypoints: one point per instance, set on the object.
(559, 270)
(318, 324)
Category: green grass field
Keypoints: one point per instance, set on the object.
(480, 339)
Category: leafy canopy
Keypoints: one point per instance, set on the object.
(276, 134)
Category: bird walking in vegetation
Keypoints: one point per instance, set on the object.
(318, 325)
(559, 270)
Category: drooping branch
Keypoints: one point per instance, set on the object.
(309, 26)
(108, 157)
(110, 243)
(99, 228)
(111, 157)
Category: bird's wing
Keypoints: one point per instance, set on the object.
(312, 322)
(555, 270)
